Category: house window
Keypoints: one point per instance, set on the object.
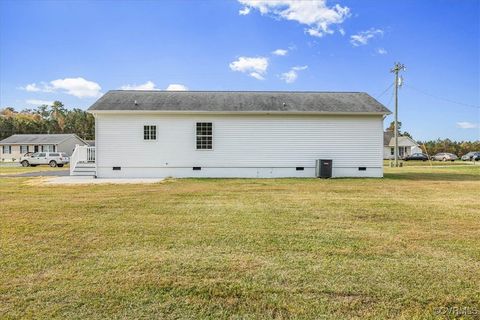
(48, 148)
(204, 136)
(392, 151)
(23, 149)
(7, 149)
(149, 132)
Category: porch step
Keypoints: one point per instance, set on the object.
(86, 164)
(82, 161)
(83, 173)
(84, 169)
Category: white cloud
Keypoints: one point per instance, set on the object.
(256, 75)
(315, 14)
(466, 125)
(342, 31)
(32, 87)
(149, 85)
(244, 11)
(362, 38)
(292, 75)
(78, 87)
(36, 102)
(381, 51)
(176, 87)
(256, 67)
(280, 52)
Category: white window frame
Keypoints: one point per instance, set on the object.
(48, 148)
(4, 147)
(23, 146)
(195, 135)
(150, 132)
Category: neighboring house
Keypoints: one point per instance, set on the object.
(17, 145)
(236, 134)
(406, 146)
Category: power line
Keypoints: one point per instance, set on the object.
(384, 91)
(441, 98)
(391, 98)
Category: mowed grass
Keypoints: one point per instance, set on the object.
(398, 247)
(416, 163)
(9, 169)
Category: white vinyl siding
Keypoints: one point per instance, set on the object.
(241, 141)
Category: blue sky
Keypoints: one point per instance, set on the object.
(74, 51)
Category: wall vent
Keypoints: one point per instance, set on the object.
(300, 168)
(117, 168)
(197, 168)
(362, 168)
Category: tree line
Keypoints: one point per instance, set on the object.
(446, 145)
(47, 119)
(440, 145)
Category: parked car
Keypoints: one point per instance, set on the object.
(53, 159)
(416, 156)
(444, 156)
(469, 156)
(476, 156)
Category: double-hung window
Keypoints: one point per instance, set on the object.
(48, 148)
(7, 149)
(23, 149)
(204, 136)
(149, 132)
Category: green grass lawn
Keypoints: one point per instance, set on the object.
(415, 163)
(397, 247)
(7, 170)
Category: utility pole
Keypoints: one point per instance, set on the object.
(396, 69)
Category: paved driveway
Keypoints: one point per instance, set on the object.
(54, 173)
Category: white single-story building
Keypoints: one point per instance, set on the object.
(15, 146)
(236, 134)
(406, 146)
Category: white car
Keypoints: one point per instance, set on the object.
(53, 159)
(444, 156)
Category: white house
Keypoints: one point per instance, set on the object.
(406, 146)
(15, 146)
(236, 134)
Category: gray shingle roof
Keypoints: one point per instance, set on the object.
(389, 140)
(36, 138)
(239, 101)
(387, 136)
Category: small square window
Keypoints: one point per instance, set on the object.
(149, 132)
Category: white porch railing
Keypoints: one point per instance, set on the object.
(82, 154)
